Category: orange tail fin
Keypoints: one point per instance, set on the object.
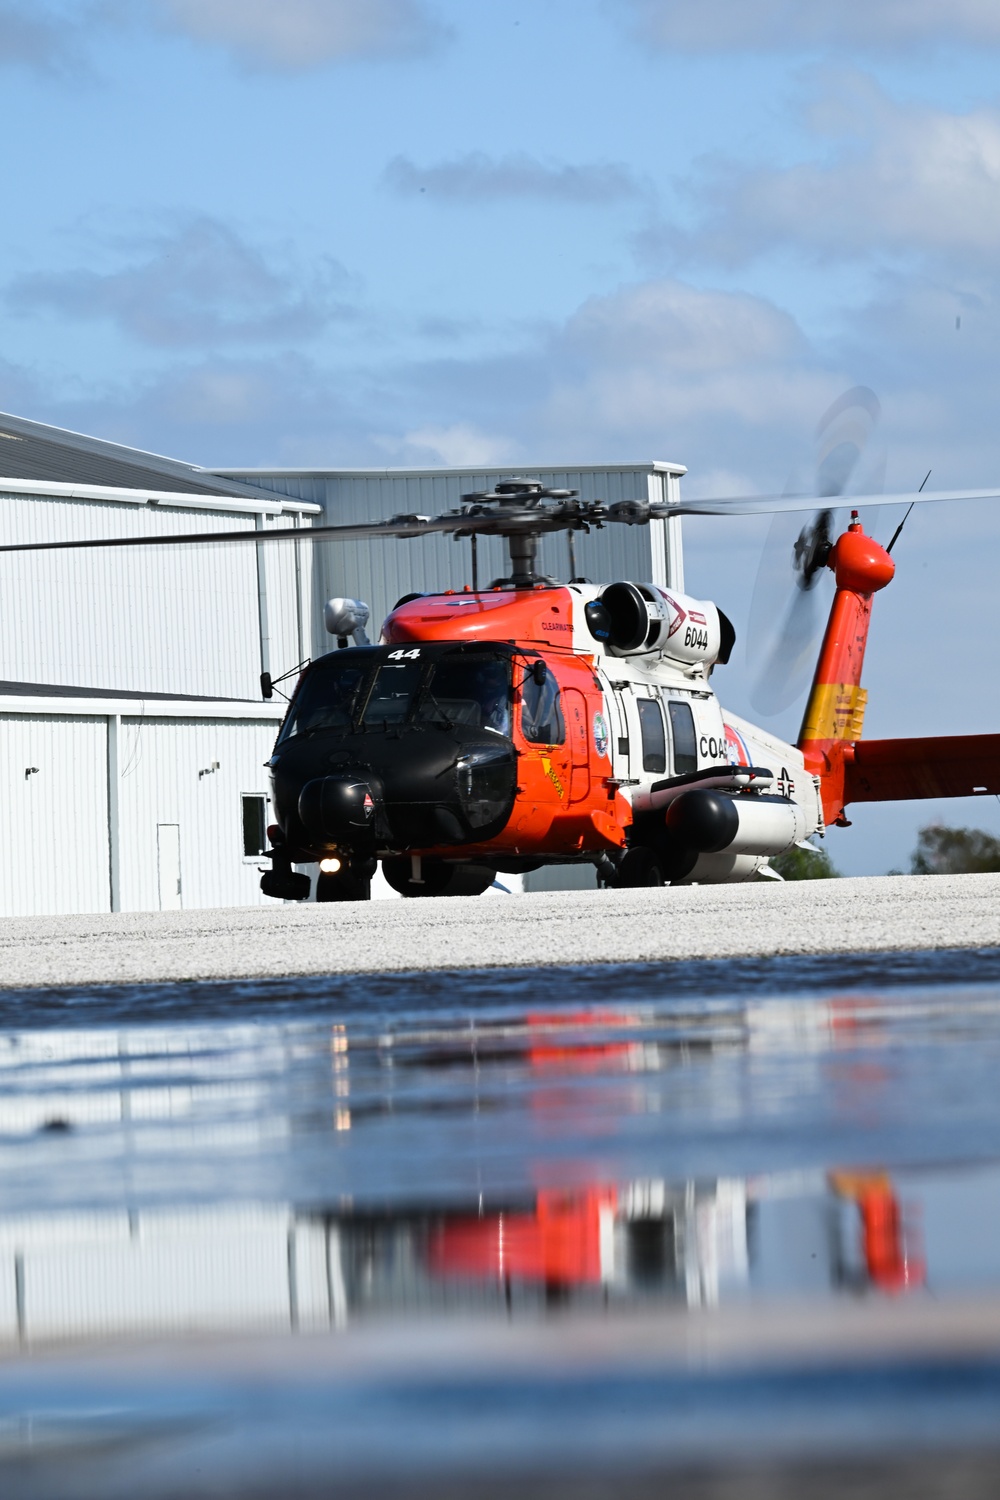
(835, 712)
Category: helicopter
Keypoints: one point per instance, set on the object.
(495, 729)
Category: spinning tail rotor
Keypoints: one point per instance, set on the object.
(793, 587)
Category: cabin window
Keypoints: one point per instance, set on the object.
(254, 826)
(654, 743)
(685, 744)
(541, 711)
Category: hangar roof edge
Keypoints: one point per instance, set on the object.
(38, 451)
(56, 698)
(653, 466)
(262, 502)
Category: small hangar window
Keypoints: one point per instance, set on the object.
(254, 826)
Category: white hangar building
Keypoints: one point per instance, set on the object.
(132, 730)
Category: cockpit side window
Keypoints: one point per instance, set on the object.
(654, 742)
(541, 711)
(328, 697)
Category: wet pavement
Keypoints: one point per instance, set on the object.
(548, 929)
(709, 1228)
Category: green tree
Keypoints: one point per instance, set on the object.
(955, 851)
(804, 864)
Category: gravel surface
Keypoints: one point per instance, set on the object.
(875, 914)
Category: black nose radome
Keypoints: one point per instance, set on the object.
(336, 805)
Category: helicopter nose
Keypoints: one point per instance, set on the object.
(338, 806)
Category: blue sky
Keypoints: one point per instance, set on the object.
(349, 232)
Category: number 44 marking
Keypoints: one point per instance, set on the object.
(404, 655)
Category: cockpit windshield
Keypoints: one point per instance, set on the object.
(329, 696)
(469, 690)
(393, 692)
(349, 691)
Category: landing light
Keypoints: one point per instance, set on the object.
(330, 866)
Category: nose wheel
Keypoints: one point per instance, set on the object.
(352, 882)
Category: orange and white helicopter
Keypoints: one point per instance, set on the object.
(532, 722)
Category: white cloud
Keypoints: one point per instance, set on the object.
(199, 284)
(40, 36)
(725, 382)
(807, 25)
(478, 177)
(293, 35)
(460, 445)
(669, 324)
(885, 177)
(715, 379)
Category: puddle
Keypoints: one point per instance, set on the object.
(513, 1163)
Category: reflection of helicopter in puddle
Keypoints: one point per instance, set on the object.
(891, 1257)
(695, 1243)
(568, 1233)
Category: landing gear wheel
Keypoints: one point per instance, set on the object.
(438, 877)
(637, 867)
(346, 885)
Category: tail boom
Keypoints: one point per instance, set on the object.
(834, 716)
(961, 765)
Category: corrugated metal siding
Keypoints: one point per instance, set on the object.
(54, 849)
(380, 572)
(233, 1267)
(169, 620)
(230, 1272)
(159, 762)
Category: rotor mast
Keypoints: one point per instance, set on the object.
(518, 510)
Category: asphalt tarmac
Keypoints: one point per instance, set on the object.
(881, 914)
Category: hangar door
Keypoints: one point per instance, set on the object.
(54, 850)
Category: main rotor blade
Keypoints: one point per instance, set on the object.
(410, 527)
(756, 505)
(538, 521)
